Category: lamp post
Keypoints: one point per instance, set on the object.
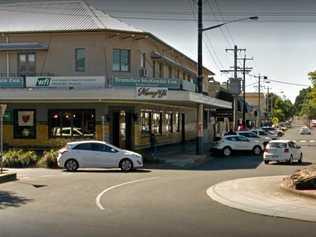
(200, 133)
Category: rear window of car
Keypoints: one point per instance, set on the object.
(83, 146)
(278, 145)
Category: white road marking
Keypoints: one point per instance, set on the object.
(302, 141)
(312, 141)
(98, 198)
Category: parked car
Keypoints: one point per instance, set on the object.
(96, 154)
(261, 132)
(274, 131)
(254, 137)
(228, 144)
(282, 151)
(313, 123)
(305, 131)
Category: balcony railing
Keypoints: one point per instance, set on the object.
(89, 82)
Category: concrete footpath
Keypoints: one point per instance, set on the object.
(263, 195)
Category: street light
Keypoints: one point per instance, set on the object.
(200, 132)
(253, 18)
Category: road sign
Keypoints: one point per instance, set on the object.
(275, 120)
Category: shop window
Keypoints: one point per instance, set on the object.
(156, 126)
(71, 123)
(145, 123)
(121, 60)
(25, 124)
(176, 122)
(168, 122)
(80, 60)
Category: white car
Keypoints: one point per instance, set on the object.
(261, 132)
(283, 151)
(96, 154)
(231, 143)
(273, 131)
(305, 131)
(254, 137)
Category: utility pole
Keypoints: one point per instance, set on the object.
(236, 70)
(200, 133)
(244, 59)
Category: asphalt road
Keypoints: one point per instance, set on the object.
(151, 202)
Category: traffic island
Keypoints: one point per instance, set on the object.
(302, 182)
(7, 177)
(263, 195)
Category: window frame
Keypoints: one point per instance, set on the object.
(77, 59)
(16, 123)
(26, 53)
(119, 50)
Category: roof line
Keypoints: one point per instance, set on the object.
(93, 15)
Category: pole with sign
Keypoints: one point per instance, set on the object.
(3, 108)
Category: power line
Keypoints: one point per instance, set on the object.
(213, 55)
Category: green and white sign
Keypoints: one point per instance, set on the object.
(11, 82)
(170, 83)
(83, 82)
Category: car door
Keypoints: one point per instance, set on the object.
(84, 154)
(294, 150)
(243, 143)
(105, 156)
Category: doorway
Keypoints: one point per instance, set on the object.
(122, 129)
(183, 128)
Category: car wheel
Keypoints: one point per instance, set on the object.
(227, 151)
(266, 162)
(257, 150)
(71, 165)
(300, 161)
(280, 134)
(291, 160)
(126, 165)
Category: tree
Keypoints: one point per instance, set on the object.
(301, 99)
(282, 109)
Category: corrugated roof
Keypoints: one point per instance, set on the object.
(56, 16)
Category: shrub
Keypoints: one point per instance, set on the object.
(19, 159)
(48, 160)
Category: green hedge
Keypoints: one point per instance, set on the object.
(29, 159)
(48, 160)
(20, 159)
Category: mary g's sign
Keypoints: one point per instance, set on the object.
(151, 93)
(65, 82)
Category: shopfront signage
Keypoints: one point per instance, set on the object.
(151, 93)
(7, 117)
(11, 82)
(171, 83)
(83, 82)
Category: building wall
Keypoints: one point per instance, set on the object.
(139, 141)
(60, 57)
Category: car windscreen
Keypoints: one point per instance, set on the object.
(277, 145)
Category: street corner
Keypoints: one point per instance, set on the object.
(7, 177)
(263, 195)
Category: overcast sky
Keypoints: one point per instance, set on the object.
(282, 42)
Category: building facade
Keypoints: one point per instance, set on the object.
(100, 79)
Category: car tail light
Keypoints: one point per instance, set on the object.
(286, 150)
(267, 150)
(63, 150)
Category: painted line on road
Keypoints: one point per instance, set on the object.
(312, 141)
(98, 198)
(302, 141)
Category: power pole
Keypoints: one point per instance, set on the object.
(200, 133)
(244, 59)
(235, 96)
(259, 101)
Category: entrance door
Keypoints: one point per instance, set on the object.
(122, 129)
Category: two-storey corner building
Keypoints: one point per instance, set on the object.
(69, 71)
